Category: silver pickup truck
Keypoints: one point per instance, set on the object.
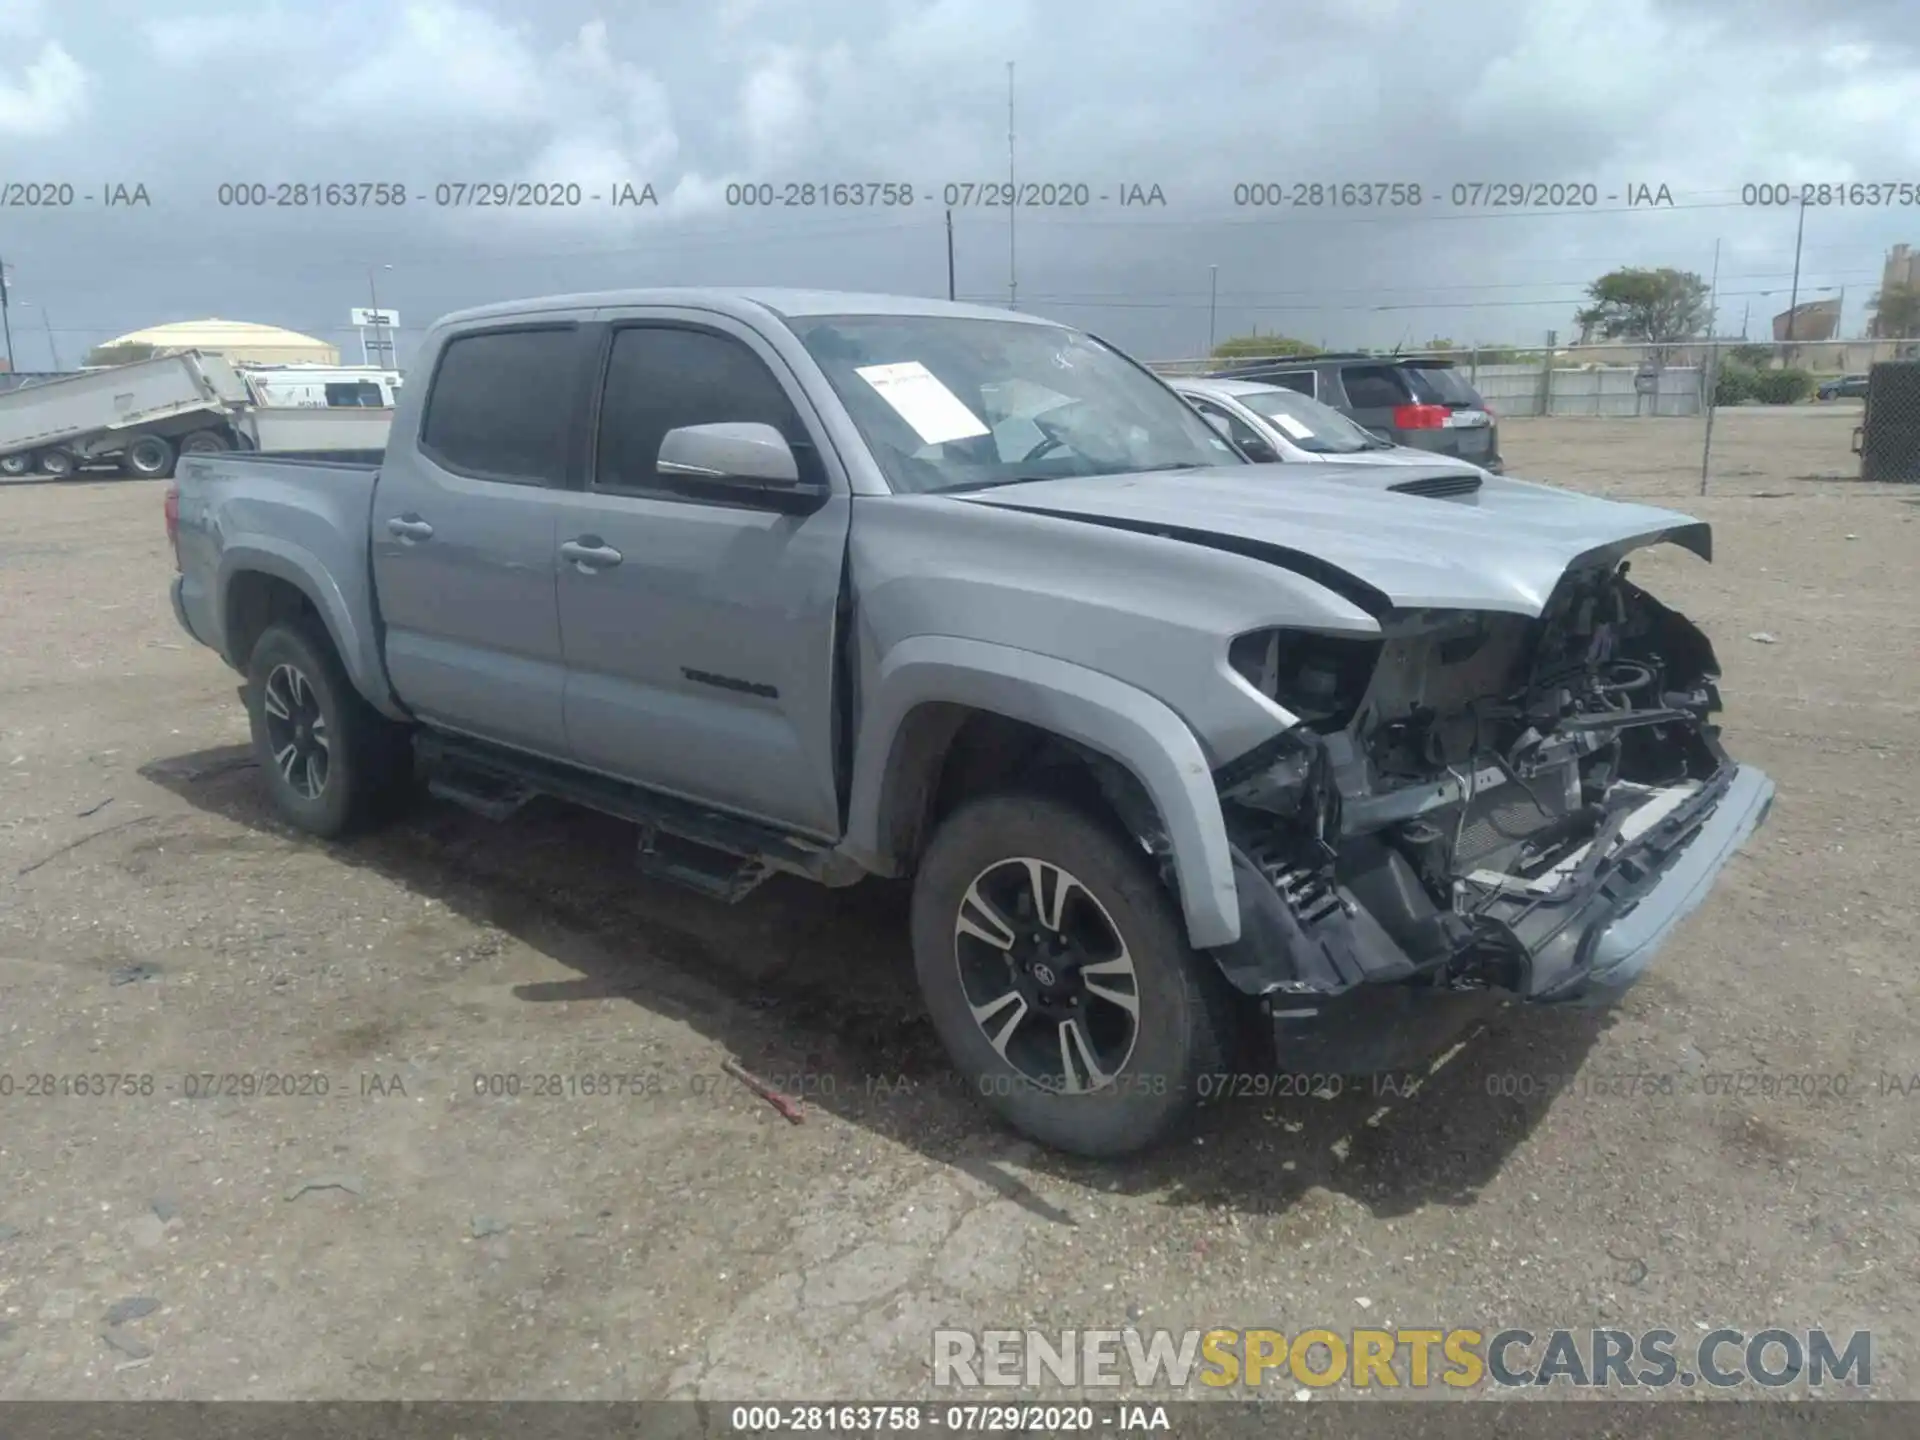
(1180, 754)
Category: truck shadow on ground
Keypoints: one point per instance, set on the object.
(815, 986)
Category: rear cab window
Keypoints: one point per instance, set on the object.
(500, 402)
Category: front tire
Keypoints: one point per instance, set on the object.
(1056, 970)
(331, 761)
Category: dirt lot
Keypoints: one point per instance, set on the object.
(682, 1239)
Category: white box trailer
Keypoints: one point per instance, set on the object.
(324, 386)
(140, 414)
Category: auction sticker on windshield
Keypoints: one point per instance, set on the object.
(936, 414)
(1292, 426)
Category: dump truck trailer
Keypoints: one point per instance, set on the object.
(142, 415)
(145, 415)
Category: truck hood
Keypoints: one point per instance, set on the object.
(1502, 547)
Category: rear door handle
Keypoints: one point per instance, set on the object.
(409, 528)
(589, 554)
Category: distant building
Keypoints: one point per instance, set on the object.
(239, 340)
(1815, 320)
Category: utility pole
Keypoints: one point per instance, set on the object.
(1745, 312)
(1710, 368)
(6, 315)
(46, 320)
(949, 254)
(1012, 199)
(1793, 300)
(1213, 296)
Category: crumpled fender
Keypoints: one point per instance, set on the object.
(1129, 726)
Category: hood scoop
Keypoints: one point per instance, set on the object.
(1439, 487)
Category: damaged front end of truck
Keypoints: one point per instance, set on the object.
(1474, 807)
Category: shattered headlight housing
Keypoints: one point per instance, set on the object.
(1320, 678)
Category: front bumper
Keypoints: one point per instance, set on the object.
(1345, 1003)
(1616, 933)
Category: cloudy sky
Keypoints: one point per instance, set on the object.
(694, 96)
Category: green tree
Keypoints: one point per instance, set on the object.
(1896, 311)
(1259, 347)
(120, 354)
(1782, 387)
(1734, 383)
(1654, 307)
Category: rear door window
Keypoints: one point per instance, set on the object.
(1241, 433)
(500, 403)
(1441, 385)
(1373, 387)
(1301, 380)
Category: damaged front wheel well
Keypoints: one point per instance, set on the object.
(947, 754)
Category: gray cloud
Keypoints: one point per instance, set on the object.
(691, 96)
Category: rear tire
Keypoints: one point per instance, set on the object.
(16, 465)
(333, 764)
(150, 457)
(205, 442)
(1095, 1039)
(58, 463)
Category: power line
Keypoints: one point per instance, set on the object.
(1336, 309)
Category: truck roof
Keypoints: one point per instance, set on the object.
(743, 303)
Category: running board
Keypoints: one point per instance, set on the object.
(714, 873)
(719, 854)
(493, 797)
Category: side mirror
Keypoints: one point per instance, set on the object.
(1256, 448)
(1380, 435)
(735, 453)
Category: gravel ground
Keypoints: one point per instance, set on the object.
(394, 1228)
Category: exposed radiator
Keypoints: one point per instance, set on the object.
(1499, 820)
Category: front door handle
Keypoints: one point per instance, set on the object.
(588, 554)
(409, 528)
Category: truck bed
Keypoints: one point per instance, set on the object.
(313, 430)
(247, 511)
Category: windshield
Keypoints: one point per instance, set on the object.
(1319, 429)
(949, 403)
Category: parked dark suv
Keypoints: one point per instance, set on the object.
(1427, 404)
